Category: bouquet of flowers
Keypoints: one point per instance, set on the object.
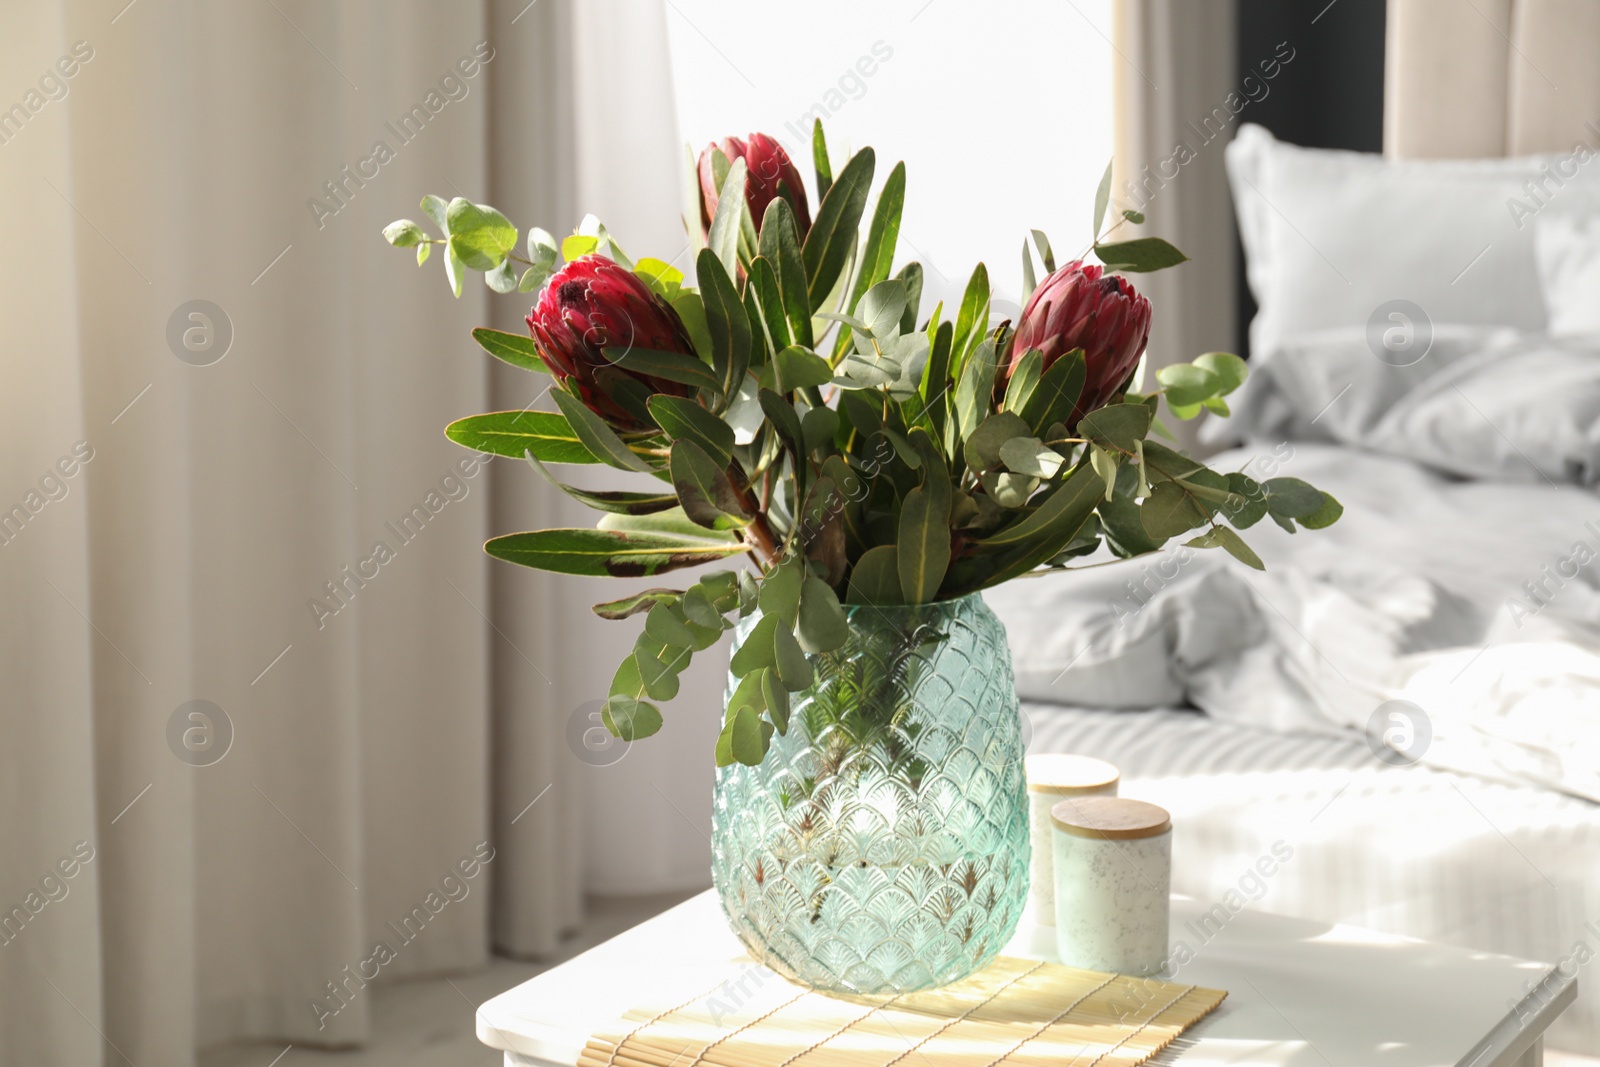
(796, 405)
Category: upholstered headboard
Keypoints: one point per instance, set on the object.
(1475, 78)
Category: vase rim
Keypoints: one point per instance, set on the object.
(952, 604)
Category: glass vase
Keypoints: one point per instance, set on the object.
(882, 844)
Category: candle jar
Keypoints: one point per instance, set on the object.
(1052, 778)
(1113, 872)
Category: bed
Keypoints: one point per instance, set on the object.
(1408, 702)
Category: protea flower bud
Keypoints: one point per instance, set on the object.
(771, 175)
(592, 304)
(1080, 306)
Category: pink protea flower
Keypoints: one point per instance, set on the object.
(1080, 306)
(592, 304)
(771, 175)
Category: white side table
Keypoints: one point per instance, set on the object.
(1299, 993)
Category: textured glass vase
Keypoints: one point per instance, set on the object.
(882, 845)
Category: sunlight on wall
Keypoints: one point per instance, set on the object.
(1003, 120)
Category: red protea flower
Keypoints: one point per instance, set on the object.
(1080, 306)
(592, 304)
(771, 175)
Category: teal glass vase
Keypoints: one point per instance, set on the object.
(882, 845)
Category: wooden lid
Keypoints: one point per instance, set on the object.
(1110, 818)
(1051, 772)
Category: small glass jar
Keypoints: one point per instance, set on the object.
(1113, 870)
(1053, 777)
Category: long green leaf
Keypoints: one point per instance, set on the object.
(780, 245)
(596, 436)
(726, 321)
(615, 502)
(876, 578)
(923, 549)
(819, 159)
(1057, 393)
(512, 348)
(972, 317)
(515, 433)
(681, 418)
(877, 256)
(707, 496)
(606, 553)
(673, 366)
(833, 235)
(723, 237)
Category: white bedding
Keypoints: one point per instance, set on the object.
(1425, 591)
(1412, 851)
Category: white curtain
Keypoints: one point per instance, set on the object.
(1178, 97)
(191, 509)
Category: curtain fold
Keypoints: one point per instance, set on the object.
(1177, 103)
(275, 729)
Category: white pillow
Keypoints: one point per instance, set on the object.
(1332, 236)
(1568, 248)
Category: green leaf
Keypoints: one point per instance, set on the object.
(658, 667)
(819, 159)
(982, 449)
(1116, 426)
(515, 433)
(1230, 370)
(817, 427)
(756, 651)
(1291, 498)
(1169, 511)
(1029, 455)
(423, 252)
(785, 421)
(454, 269)
(776, 699)
(1324, 516)
(704, 489)
(1028, 282)
(745, 742)
(1230, 542)
(880, 309)
(661, 624)
(682, 419)
(1135, 217)
(976, 386)
(479, 234)
(615, 501)
(1139, 255)
(692, 311)
(833, 235)
(624, 607)
(723, 237)
(763, 288)
(780, 245)
(1124, 526)
(502, 279)
(630, 719)
(512, 348)
(1023, 381)
(780, 590)
(673, 366)
(794, 670)
(403, 233)
(822, 625)
(1105, 465)
(798, 368)
(1102, 197)
(877, 255)
(726, 322)
(601, 440)
(607, 553)
(1058, 507)
(923, 548)
(876, 578)
(578, 245)
(972, 316)
(935, 378)
(1247, 501)
(662, 277)
(1046, 256)
(1186, 384)
(437, 209)
(1057, 393)
(911, 277)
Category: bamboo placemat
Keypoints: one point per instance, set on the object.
(1015, 1012)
